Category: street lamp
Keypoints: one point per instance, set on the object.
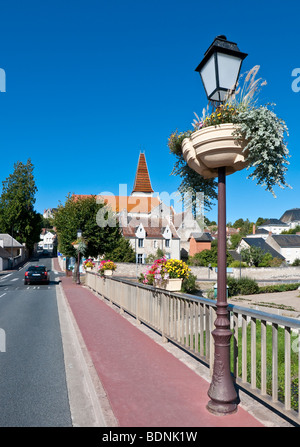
(220, 68)
(219, 71)
(79, 235)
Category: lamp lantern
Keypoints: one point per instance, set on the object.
(220, 68)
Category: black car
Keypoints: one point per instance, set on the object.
(36, 274)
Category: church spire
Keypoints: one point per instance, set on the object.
(142, 183)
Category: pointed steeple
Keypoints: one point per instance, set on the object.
(142, 183)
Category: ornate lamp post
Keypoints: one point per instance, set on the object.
(79, 235)
(219, 71)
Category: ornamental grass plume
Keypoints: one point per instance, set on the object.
(257, 125)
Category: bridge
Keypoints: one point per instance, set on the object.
(153, 353)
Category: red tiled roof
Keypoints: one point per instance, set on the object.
(135, 204)
(154, 227)
(142, 181)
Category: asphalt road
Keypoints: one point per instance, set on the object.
(33, 389)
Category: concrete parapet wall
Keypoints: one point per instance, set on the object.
(259, 273)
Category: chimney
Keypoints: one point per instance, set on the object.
(254, 229)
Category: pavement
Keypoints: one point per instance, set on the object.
(121, 374)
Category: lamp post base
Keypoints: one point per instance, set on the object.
(221, 409)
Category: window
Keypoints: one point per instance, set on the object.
(141, 243)
(167, 242)
(140, 258)
(155, 244)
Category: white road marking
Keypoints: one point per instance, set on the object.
(6, 276)
(2, 295)
(14, 279)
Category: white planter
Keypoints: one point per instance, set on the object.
(173, 284)
(107, 272)
(213, 147)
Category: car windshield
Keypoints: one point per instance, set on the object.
(37, 268)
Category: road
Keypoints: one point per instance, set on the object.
(33, 389)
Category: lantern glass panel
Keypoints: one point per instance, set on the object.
(228, 68)
(208, 75)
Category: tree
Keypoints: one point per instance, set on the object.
(82, 213)
(260, 221)
(208, 257)
(17, 214)
(252, 255)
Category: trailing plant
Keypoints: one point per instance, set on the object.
(266, 149)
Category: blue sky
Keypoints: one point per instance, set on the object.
(91, 83)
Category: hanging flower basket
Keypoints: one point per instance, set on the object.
(213, 147)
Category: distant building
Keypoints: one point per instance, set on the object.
(274, 226)
(49, 213)
(15, 250)
(199, 242)
(288, 245)
(291, 217)
(259, 242)
(48, 241)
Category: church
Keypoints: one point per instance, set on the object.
(148, 222)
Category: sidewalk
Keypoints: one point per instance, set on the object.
(146, 385)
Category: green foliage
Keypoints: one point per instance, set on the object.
(241, 286)
(296, 263)
(82, 213)
(238, 264)
(252, 255)
(235, 240)
(189, 284)
(292, 230)
(267, 150)
(269, 358)
(123, 252)
(248, 286)
(208, 257)
(152, 257)
(17, 214)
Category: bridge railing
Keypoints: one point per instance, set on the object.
(265, 358)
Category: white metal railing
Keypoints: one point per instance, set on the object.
(265, 347)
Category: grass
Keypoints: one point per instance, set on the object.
(281, 361)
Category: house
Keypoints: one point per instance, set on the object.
(259, 242)
(145, 239)
(186, 225)
(49, 213)
(15, 250)
(291, 217)
(274, 226)
(288, 245)
(48, 241)
(4, 259)
(199, 242)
